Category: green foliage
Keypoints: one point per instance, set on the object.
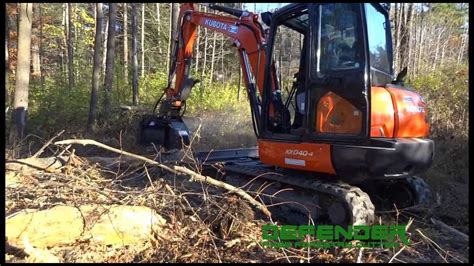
(203, 97)
(151, 87)
(446, 13)
(219, 97)
(84, 23)
(447, 95)
(56, 107)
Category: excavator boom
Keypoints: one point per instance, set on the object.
(246, 34)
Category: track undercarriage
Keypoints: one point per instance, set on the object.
(297, 197)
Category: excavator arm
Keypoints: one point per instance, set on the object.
(247, 36)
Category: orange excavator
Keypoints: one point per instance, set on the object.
(346, 136)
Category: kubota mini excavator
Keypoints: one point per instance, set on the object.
(346, 137)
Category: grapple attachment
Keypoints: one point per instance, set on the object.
(170, 133)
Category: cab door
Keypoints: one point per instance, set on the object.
(338, 85)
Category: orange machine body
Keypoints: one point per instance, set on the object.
(398, 113)
(395, 113)
(304, 156)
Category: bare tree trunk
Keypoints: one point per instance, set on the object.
(70, 51)
(174, 27)
(240, 82)
(158, 20)
(77, 73)
(110, 64)
(96, 67)
(400, 20)
(134, 55)
(213, 58)
(416, 41)
(405, 38)
(198, 43)
(104, 55)
(395, 37)
(437, 49)
(290, 55)
(170, 39)
(142, 72)
(222, 59)
(280, 63)
(463, 44)
(410, 37)
(420, 46)
(41, 47)
(7, 42)
(201, 90)
(443, 50)
(125, 42)
(35, 60)
(64, 45)
(22, 77)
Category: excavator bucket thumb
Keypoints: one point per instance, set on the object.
(167, 133)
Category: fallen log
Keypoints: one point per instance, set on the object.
(173, 169)
(49, 164)
(52, 164)
(64, 225)
(454, 232)
(132, 108)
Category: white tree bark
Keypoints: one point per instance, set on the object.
(134, 56)
(158, 21)
(104, 55)
(142, 70)
(96, 67)
(110, 62)
(170, 38)
(22, 77)
(125, 42)
(204, 58)
(213, 57)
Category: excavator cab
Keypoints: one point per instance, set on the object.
(329, 97)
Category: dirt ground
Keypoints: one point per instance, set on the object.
(222, 130)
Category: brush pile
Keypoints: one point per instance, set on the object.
(67, 208)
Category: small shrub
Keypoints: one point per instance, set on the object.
(447, 96)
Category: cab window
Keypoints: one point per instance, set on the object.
(377, 33)
(338, 42)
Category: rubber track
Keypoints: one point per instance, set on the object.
(357, 201)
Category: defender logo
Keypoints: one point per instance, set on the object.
(215, 24)
(298, 152)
